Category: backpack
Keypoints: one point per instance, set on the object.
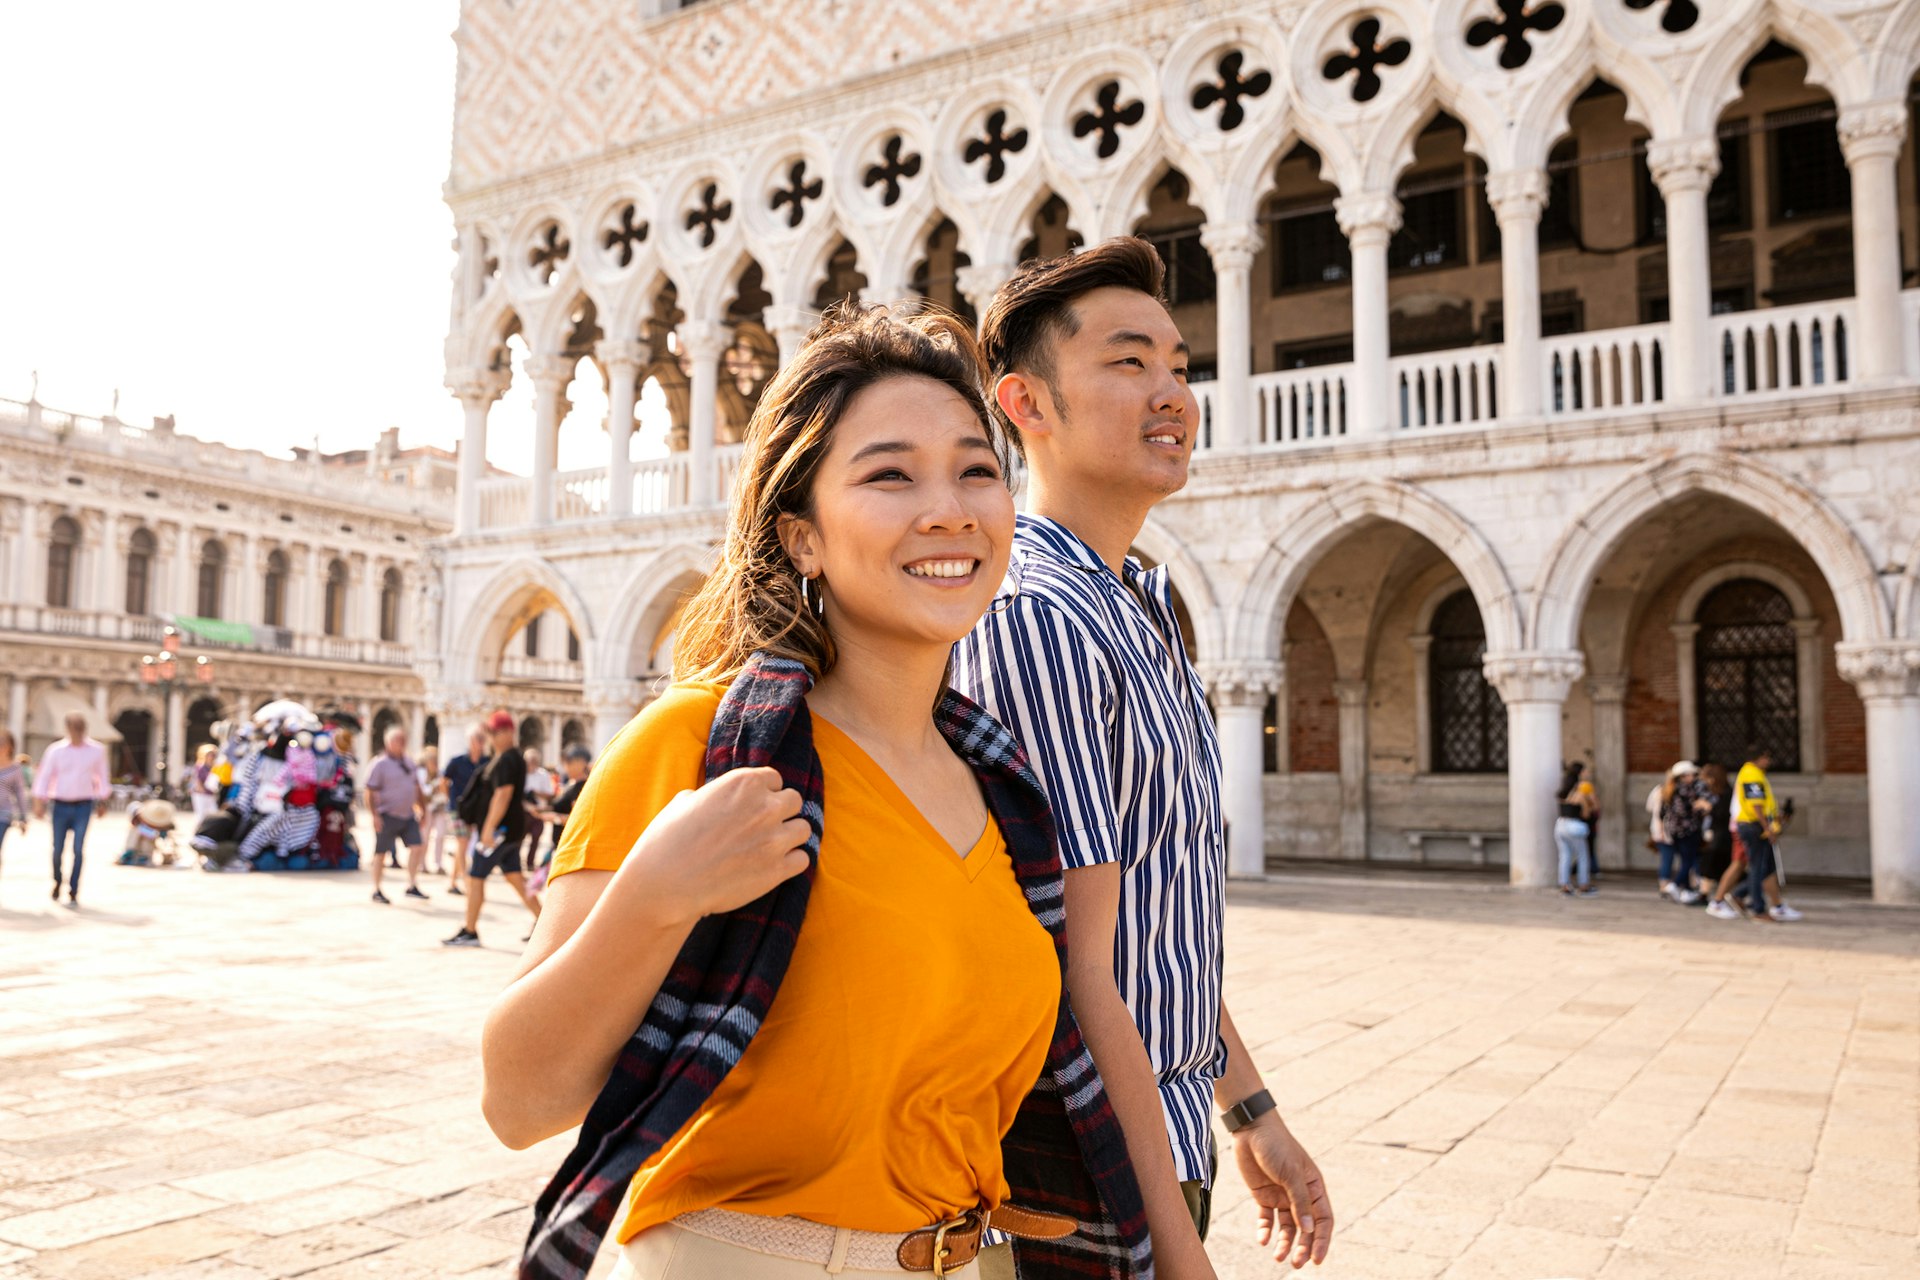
(474, 799)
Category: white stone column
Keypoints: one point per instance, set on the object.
(1887, 676)
(1684, 170)
(1353, 767)
(1810, 677)
(177, 736)
(551, 376)
(1533, 684)
(306, 598)
(1422, 646)
(1517, 197)
(17, 711)
(1609, 695)
(1871, 136)
(370, 598)
(107, 560)
(979, 281)
(416, 728)
(623, 362)
(185, 575)
(611, 704)
(789, 327)
(476, 389)
(243, 605)
(1240, 692)
(1369, 221)
(1232, 246)
(702, 341)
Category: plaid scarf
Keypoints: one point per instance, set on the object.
(1065, 1153)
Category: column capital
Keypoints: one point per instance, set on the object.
(1683, 164)
(1517, 194)
(702, 341)
(1873, 129)
(782, 317)
(1881, 670)
(476, 386)
(630, 353)
(1685, 631)
(978, 281)
(1242, 684)
(1806, 628)
(1607, 689)
(1367, 215)
(1533, 675)
(606, 697)
(551, 374)
(1351, 693)
(1421, 645)
(1231, 245)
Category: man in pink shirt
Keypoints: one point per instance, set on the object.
(73, 778)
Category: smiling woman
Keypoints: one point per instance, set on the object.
(873, 1116)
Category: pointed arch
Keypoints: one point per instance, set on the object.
(1308, 535)
(1560, 596)
(1834, 61)
(518, 590)
(645, 601)
(1195, 585)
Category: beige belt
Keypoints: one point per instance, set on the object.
(941, 1248)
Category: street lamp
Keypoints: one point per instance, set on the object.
(167, 673)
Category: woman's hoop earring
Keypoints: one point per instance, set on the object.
(811, 597)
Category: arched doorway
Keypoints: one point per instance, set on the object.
(134, 755)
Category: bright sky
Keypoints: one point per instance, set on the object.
(230, 211)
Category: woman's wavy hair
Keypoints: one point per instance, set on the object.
(752, 602)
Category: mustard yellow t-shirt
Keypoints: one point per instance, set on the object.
(915, 1015)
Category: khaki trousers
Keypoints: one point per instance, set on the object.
(669, 1252)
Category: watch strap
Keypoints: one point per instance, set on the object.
(1247, 1110)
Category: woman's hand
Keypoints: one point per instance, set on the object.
(711, 850)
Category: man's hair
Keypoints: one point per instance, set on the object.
(1034, 310)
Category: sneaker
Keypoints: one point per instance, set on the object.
(464, 938)
(73, 897)
(1589, 891)
(380, 898)
(1785, 914)
(1683, 895)
(1666, 889)
(413, 891)
(1721, 909)
(1566, 891)
(393, 863)
(56, 891)
(239, 866)
(454, 889)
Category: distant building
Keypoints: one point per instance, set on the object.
(296, 579)
(1556, 363)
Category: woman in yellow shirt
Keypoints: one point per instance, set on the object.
(865, 1121)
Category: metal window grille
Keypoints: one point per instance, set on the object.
(1469, 720)
(1747, 675)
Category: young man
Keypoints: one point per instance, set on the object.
(1083, 660)
(1757, 821)
(496, 844)
(395, 800)
(73, 779)
(459, 772)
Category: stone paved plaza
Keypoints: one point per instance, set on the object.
(264, 1076)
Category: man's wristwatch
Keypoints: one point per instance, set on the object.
(1247, 1110)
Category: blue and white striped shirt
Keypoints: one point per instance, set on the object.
(1090, 673)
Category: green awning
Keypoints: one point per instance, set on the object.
(217, 631)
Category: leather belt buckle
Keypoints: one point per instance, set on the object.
(941, 1251)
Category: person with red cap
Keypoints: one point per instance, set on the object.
(500, 830)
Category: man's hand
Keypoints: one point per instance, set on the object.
(1287, 1186)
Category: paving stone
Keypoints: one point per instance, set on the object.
(1494, 1086)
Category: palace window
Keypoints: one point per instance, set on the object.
(1747, 675)
(140, 553)
(213, 568)
(1469, 720)
(1189, 268)
(333, 611)
(390, 605)
(1809, 170)
(1313, 252)
(532, 640)
(63, 554)
(274, 606)
(1430, 224)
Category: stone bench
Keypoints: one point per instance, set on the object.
(1476, 842)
